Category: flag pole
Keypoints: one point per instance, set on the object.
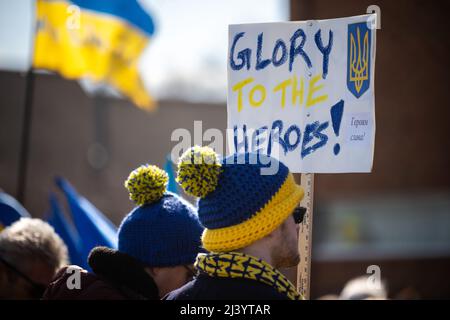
(27, 117)
(25, 139)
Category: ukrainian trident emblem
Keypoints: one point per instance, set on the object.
(358, 58)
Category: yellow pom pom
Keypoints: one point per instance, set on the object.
(146, 184)
(199, 169)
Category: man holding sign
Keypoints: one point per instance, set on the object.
(299, 92)
(251, 226)
(303, 92)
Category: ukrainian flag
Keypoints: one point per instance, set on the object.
(96, 39)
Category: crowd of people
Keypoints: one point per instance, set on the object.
(232, 245)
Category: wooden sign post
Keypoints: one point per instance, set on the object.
(305, 236)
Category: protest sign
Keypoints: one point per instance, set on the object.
(303, 92)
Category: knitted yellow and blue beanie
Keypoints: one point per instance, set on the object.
(163, 230)
(237, 204)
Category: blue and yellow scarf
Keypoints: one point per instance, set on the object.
(239, 265)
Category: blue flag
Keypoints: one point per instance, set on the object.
(92, 226)
(10, 210)
(168, 167)
(67, 232)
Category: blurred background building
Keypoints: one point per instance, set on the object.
(397, 217)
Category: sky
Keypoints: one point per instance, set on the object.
(199, 30)
(186, 57)
(15, 34)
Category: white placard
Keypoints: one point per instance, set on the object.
(304, 93)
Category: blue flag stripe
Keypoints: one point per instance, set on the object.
(129, 10)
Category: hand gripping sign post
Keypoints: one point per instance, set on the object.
(303, 92)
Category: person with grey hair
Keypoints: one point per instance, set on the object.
(30, 255)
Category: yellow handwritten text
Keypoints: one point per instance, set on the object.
(291, 91)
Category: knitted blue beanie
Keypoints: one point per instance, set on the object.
(163, 230)
(238, 204)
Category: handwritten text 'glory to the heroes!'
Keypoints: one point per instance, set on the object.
(292, 91)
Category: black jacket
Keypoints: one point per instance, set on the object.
(205, 287)
(115, 276)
